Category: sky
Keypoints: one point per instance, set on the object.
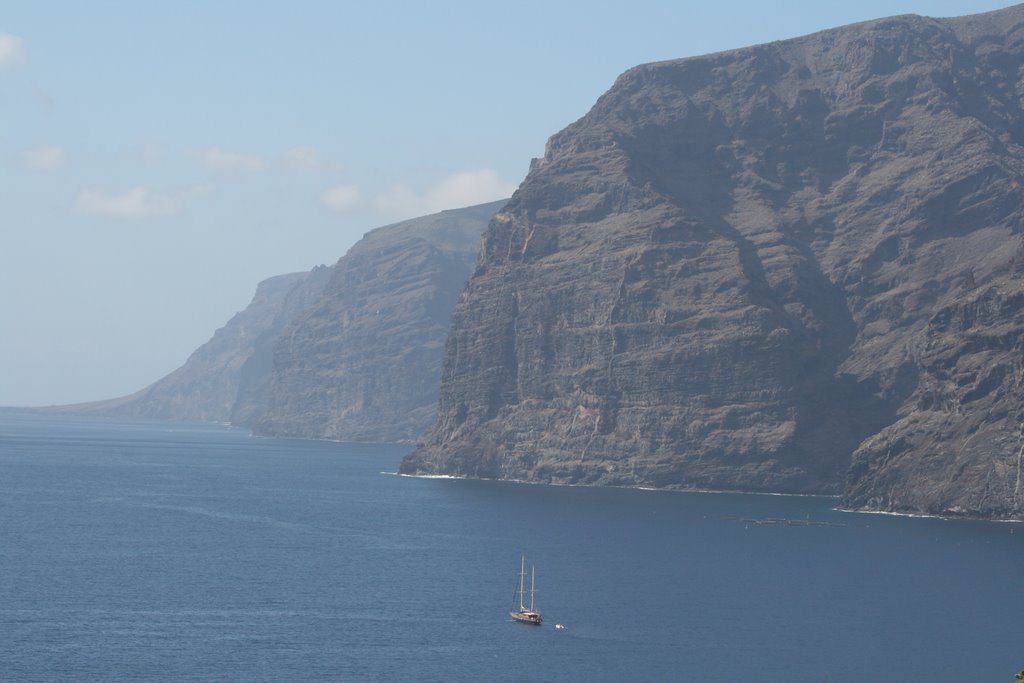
(158, 160)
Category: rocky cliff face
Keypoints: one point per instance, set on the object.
(349, 352)
(364, 363)
(793, 267)
(254, 375)
(227, 378)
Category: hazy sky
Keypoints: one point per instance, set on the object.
(157, 160)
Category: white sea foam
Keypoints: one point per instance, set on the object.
(425, 476)
(921, 515)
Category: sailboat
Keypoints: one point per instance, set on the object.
(527, 615)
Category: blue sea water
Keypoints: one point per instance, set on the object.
(154, 551)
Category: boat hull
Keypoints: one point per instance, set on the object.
(526, 617)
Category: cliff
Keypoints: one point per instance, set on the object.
(347, 352)
(227, 378)
(793, 267)
(364, 363)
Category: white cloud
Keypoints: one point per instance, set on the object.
(301, 157)
(137, 202)
(45, 158)
(467, 188)
(12, 50)
(148, 154)
(218, 158)
(341, 197)
(464, 188)
(307, 158)
(400, 200)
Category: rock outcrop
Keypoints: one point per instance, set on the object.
(227, 378)
(794, 267)
(364, 363)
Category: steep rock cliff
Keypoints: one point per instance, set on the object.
(364, 363)
(752, 269)
(227, 378)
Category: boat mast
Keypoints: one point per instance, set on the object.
(522, 575)
(533, 577)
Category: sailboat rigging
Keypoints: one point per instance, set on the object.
(527, 615)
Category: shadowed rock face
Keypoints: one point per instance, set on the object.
(227, 378)
(364, 363)
(754, 269)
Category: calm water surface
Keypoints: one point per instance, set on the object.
(143, 551)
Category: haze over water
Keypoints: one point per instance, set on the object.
(139, 550)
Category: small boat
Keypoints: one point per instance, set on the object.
(527, 615)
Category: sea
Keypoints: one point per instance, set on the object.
(150, 551)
